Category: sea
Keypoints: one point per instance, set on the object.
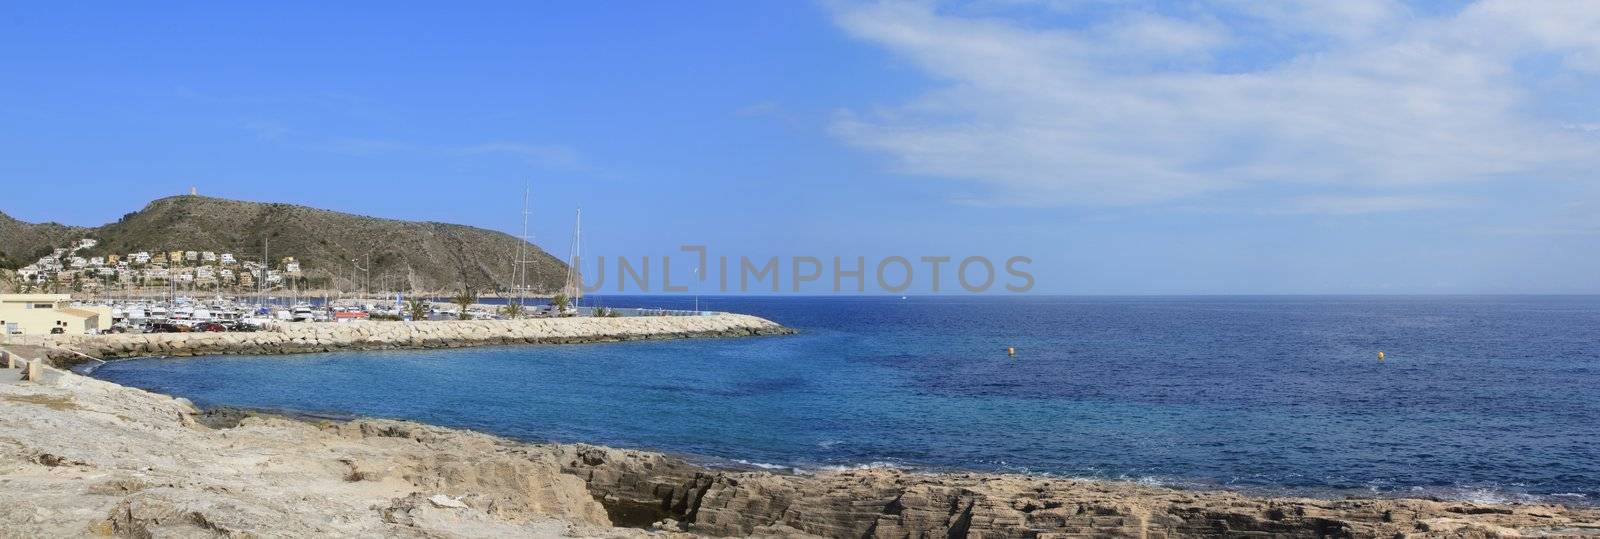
(1485, 398)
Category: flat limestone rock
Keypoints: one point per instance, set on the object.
(440, 500)
(127, 462)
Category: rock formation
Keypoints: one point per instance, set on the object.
(895, 503)
(85, 457)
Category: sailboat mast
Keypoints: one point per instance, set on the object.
(522, 253)
(574, 288)
(266, 267)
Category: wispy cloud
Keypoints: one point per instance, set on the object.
(1136, 106)
(549, 155)
(266, 130)
(1576, 218)
(764, 108)
(1356, 205)
(539, 155)
(366, 146)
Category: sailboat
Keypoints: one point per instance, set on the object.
(522, 258)
(573, 288)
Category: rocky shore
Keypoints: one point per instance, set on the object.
(293, 338)
(80, 456)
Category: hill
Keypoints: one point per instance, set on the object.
(22, 243)
(410, 255)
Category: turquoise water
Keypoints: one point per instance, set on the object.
(1480, 397)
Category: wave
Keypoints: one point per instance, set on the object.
(875, 465)
(769, 466)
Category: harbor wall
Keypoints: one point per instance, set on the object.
(293, 338)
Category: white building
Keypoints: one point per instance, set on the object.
(140, 257)
(227, 258)
(208, 257)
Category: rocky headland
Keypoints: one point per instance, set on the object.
(84, 457)
(438, 257)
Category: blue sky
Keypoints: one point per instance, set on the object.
(1189, 147)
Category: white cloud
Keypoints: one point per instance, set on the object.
(1141, 107)
(1161, 35)
(1344, 20)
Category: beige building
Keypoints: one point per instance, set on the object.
(39, 314)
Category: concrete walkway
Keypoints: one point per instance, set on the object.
(22, 354)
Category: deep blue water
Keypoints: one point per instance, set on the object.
(1480, 397)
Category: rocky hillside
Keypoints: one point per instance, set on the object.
(21, 243)
(422, 256)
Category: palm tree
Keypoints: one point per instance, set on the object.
(560, 302)
(512, 310)
(417, 308)
(466, 299)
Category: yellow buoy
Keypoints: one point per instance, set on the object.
(1380, 355)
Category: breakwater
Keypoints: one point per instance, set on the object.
(295, 338)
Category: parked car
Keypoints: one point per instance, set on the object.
(58, 330)
(165, 327)
(211, 327)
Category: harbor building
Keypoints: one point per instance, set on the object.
(41, 314)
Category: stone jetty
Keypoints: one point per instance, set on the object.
(292, 338)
